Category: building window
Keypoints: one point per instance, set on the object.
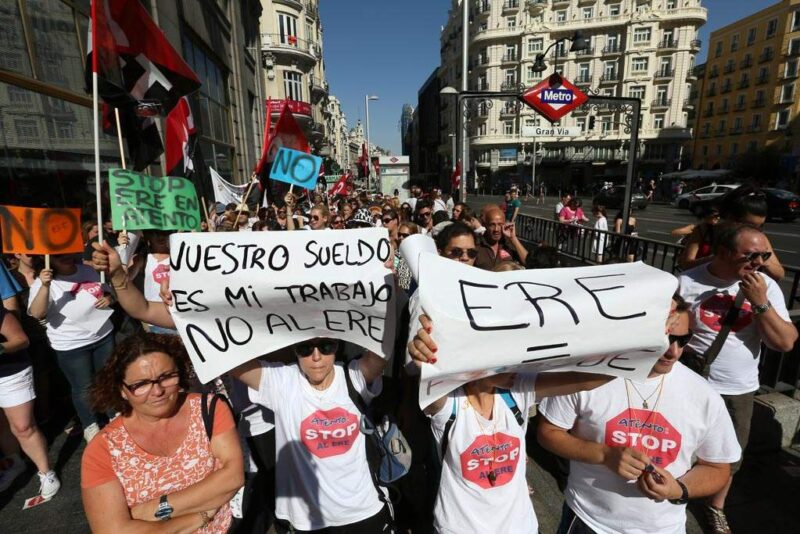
(734, 42)
(791, 68)
(794, 47)
(782, 119)
(639, 64)
(18, 95)
(787, 93)
(672, 4)
(583, 72)
(737, 124)
(751, 36)
(740, 101)
(511, 23)
(796, 21)
(535, 46)
(581, 123)
(641, 36)
(508, 127)
(734, 149)
(606, 125)
(755, 121)
(293, 85)
(588, 13)
(614, 10)
(287, 29)
(27, 130)
(636, 91)
(511, 76)
(561, 15)
(532, 74)
(610, 70)
(481, 130)
(772, 28)
(658, 121)
(718, 49)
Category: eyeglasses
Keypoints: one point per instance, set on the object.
(143, 387)
(325, 346)
(387, 220)
(753, 256)
(315, 217)
(424, 214)
(683, 340)
(457, 252)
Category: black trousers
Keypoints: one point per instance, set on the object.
(258, 502)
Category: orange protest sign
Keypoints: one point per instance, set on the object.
(40, 230)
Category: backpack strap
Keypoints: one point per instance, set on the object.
(512, 405)
(208, 411)
(448, 426)
(354, 395)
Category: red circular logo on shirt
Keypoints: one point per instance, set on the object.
(714, 308)
(329, 432)
(161, 273)
(93, 288)
(645, 431)
(488, 457)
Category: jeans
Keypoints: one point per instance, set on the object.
(79, 366)
(571, 523)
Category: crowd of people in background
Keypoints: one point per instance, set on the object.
(228, 456)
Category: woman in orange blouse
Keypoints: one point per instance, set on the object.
(154, 468)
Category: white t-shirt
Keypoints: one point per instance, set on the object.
(412, 201)
(155, 272)
(322, 478)
(688, 419)
(735, 371)
(439, 205)
(65, 333)
(599, 243)
(467, 500)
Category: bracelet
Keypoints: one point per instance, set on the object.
(207, 518)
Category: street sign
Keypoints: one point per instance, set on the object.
(558, 131)
(554, 97)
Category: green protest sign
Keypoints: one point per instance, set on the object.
(142, 202)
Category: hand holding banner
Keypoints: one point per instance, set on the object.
(296, 168)
(143, 202)
(40, 230)
(606, 319)
(238, 296)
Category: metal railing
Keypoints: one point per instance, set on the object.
(779, 371)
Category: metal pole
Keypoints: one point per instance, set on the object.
(454, 136)
(464, 87)
(533, 171)
(634, 146)
(369, 155)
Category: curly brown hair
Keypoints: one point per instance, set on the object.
(104, 393)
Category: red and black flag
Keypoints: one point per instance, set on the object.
(138, 72)
(363, 162)
(287, 133)
(181, 140)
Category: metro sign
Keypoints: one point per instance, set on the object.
(554, 97)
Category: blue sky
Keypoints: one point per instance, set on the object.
(389, 48)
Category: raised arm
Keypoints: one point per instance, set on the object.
(510, 233)
(688, 257)
(105, 258)
(371, 366)
(38, 307)
(566, 383)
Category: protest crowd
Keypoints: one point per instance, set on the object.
(284, 441)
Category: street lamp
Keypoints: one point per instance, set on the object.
(450, 91)
(579, 44)
(367, 98)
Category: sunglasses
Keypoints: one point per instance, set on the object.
(325, 346)
(457, 252)
(315, 217)
(753, 256)
(387, 220)
(402, 235)
(424, 214)
(143, 387)
(683, 340)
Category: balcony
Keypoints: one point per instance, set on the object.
(510, 57)
(559, 3)
(660, 103)
(691, 75)
(505, 111)
(743, 84)
(484, 8)
(728, 68)
(789, 75)
(765, 56)
(761, 80)
(714, 72)
(708, 113)
(560, 52)
(311, 10)
(754, 128)
(739, 106)
(509, 86)
(723, 110)
(668, 45)
(609, 77)
(612, 49)
(588, 52)
(510, 6)
(481, 60)
(735, 130)
(495, 34)
(695, 45)
(688, 104)
(726, 88)
(297, 4)
(746, 63)
(319, 89)
(720, 133)
(290, 45)
(664, 74)
(583, 78)
(711, 92)
(759, 103)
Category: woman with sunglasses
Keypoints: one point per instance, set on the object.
(405, 280)
(406, 212)
(157, 462)
(391, 221)
(323, 480)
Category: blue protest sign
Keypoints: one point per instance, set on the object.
(296, 168)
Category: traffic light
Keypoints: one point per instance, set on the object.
(591, 122)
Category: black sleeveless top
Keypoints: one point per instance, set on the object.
(15, 362)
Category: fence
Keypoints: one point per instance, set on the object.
(779, 371)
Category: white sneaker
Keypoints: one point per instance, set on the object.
(90, 432)
(48, 484)
(12, 467)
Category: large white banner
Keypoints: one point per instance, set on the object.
(606, 319)
(226, 192)
(240, 295)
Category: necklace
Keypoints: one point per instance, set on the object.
(490, 476)
(650, 415)
(644, 401)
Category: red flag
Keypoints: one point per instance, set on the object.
(455, 179)
(363, 162)
(180, 137)
(342, 186)
(287, 134)
(267, 127)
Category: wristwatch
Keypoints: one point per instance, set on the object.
(684, 498)
(164, 510)
(758, 309)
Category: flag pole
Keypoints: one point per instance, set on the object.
(244, 201)
(205, 212)
(95, 107)
(124, 232)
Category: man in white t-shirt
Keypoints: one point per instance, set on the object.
(710, 289)
(631, 445)
(322, 476)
